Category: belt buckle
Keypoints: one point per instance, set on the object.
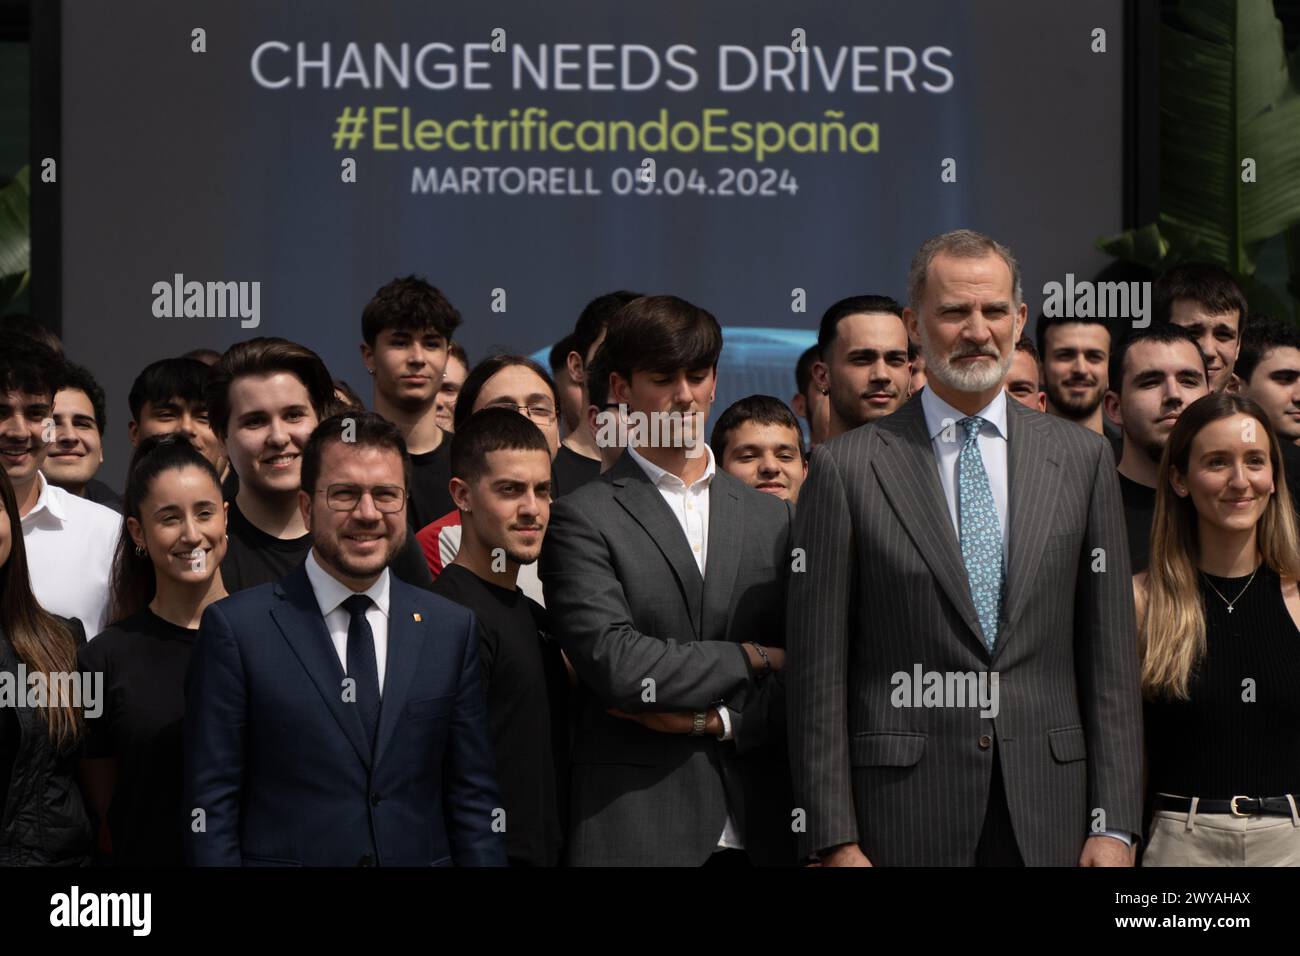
(1232, 805)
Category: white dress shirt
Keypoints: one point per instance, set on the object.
(331, 593)
(70, 544)
(690, 506)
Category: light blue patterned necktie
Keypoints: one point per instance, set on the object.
(981, 532)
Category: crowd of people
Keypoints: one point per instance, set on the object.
(1010, 602)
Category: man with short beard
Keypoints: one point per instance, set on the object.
(864, 368)
(1074, 353)
(955, 536)
(336, 718)
(1155, 373)
(501, 483)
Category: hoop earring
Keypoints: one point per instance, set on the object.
(140, 551)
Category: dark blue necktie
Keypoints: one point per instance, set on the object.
(363, 666)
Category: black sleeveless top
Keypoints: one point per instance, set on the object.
(1239, 733)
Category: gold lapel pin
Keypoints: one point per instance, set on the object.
(415, 616)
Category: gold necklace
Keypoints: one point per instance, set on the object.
(1239, 593)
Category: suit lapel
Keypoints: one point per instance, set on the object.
(909, 477)
(726, 537)
(1033, 477)
(404, 643)
(299, 619)
(641, 499)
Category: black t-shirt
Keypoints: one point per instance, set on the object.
(143, 660)
(527, 699)
(101, 494)
(571, 471)
(430, 497)
(254, 557)
(229, 485)
(1139, 513)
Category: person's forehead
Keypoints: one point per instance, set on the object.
(263, 391)
(73, 400)
(370, 463)
(518, 464)
(189, 482)
(409, 332)
(1191, 312)
(1280, 357)
(1235, 431)
(962, 276)
(1164, 357)
(1076, 335)
(175, 401)
(517, 382)
(1024, 367)
(20, 399)
(762, 434)
(872, 330)
(455, 369)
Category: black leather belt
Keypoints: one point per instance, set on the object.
(1237, 806)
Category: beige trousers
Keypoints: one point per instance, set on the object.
(1189, 838)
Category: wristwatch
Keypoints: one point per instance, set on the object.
(698, 720)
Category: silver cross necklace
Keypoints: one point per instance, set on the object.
(1239, 594)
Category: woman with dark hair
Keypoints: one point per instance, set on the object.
(42, 819)
(1219, 629)
(166, 572)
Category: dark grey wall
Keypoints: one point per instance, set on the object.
(178, 162)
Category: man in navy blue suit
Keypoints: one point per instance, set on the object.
(337, 717)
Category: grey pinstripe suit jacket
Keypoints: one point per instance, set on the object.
(885, 590)
(626, 600)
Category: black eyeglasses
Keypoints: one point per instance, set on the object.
(388, 499)
(538, 413)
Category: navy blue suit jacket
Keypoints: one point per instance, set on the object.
(277, 761)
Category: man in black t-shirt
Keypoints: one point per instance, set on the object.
(1154, 374)
(407, 328)
(501, 465)
(265, 397)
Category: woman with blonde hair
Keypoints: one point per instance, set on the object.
(1219, 630)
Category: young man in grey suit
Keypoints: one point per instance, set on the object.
(665, 584)
(963, 665)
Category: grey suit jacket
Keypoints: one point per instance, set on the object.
(885, 590)
(645, 633)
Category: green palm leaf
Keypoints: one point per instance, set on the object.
(1226, 95)
(15, 237)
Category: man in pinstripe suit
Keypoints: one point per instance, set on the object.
(964, 538)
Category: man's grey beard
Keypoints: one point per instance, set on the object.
(962, 380)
